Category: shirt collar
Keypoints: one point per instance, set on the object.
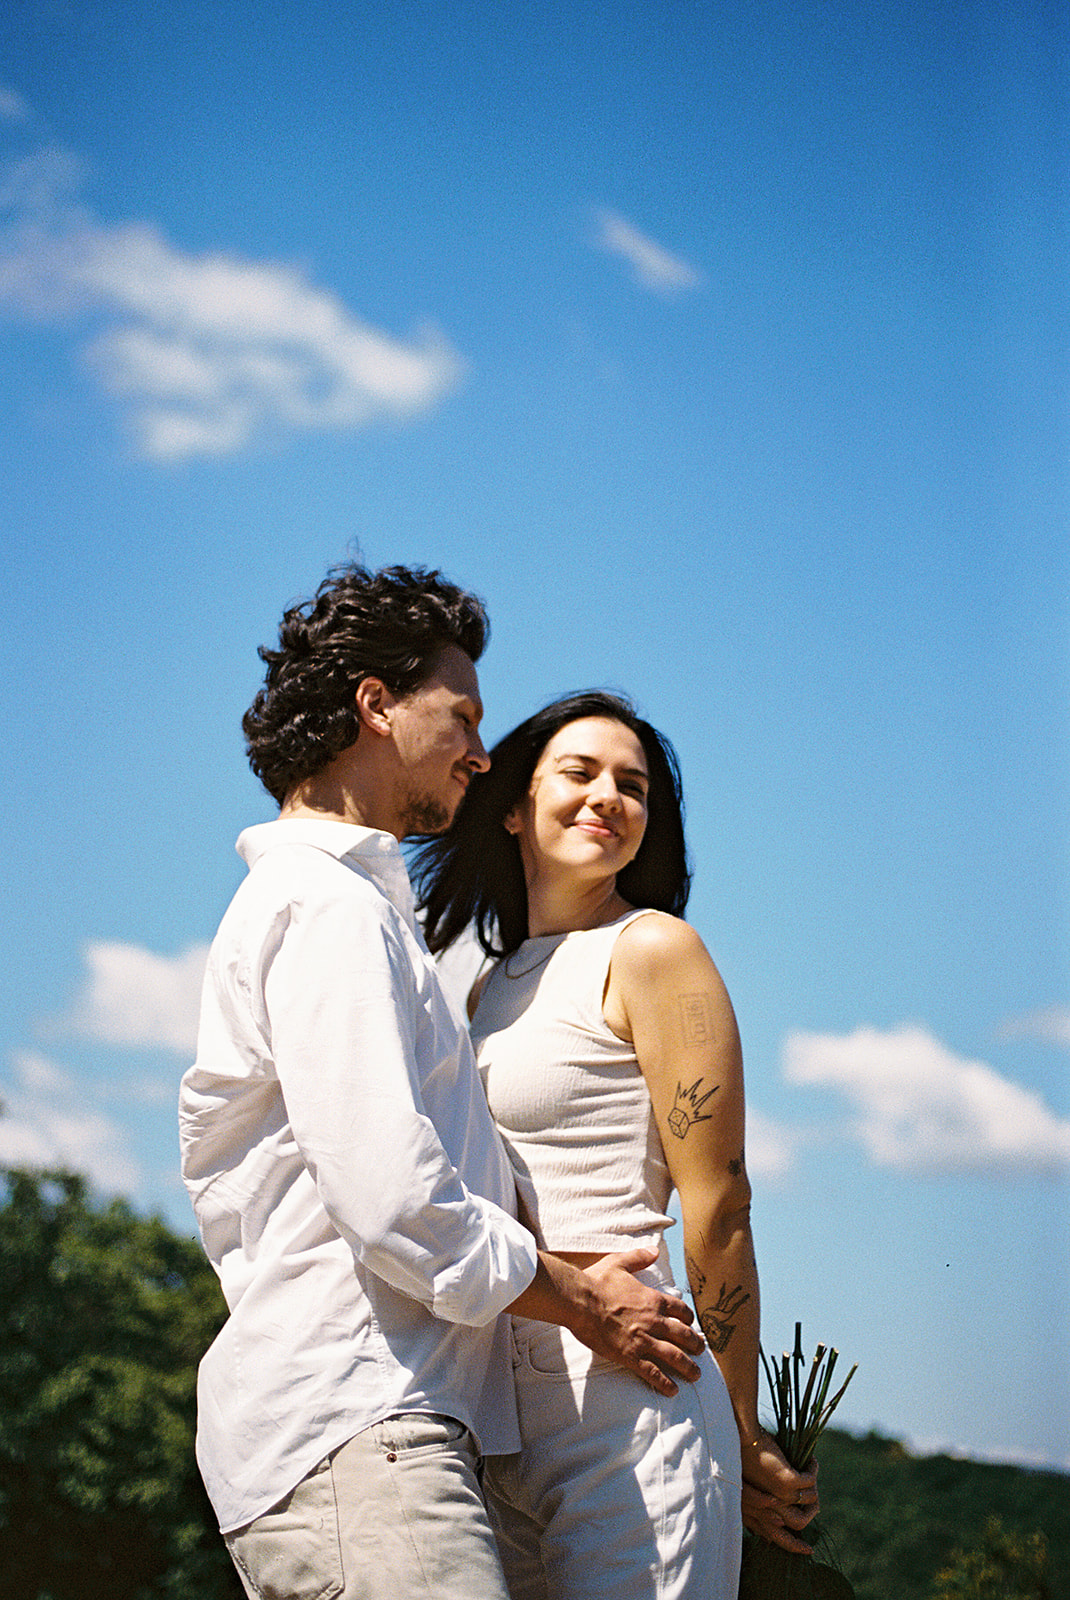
(376, 853)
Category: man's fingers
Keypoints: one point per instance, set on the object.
(678, 1311)
(654, 1378)
(634, 1259)
(670, 1305)
(661, 1363)
(672, 1331)
(673, 1359)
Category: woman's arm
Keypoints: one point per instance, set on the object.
(667, 997)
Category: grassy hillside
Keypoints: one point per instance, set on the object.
(896, 1519)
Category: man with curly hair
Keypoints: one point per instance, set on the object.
(348, 1182)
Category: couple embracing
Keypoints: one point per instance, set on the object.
(455, 1363)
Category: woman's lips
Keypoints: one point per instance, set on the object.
(601, 830)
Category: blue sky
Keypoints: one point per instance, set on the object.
(723, 350)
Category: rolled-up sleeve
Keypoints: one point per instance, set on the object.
(348, 1029)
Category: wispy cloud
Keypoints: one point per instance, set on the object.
(13, 107)
(653, 267)
(46, 1122)
(205, 353)
(919, 1108)
(771, 1147)
(132, 996)
(1051, 1023)
(52, 1117)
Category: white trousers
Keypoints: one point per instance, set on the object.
(618, 1493)
(394, 1514)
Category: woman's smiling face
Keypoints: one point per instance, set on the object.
(586, 805)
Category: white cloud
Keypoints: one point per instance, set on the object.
(1052, 1024)
(652, 266)
(46, 1122)
(919, 1108)
(771, 1147)
(38, 1075)
(205, 352)
(132, 996)
(13, 107)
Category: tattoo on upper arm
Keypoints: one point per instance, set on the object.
(715, 1322)
(696, 1018)
(687, 1108)
(695, 1275)
(736, 1166)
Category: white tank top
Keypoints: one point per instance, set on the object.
(569, 1097)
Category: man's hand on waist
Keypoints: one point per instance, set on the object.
(646, 1331)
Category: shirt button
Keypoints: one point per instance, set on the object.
(391, 1455)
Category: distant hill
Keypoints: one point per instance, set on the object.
(896, 1519)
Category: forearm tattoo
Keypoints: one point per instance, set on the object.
(715, 1322)
(695, 1275)
(687, 1108)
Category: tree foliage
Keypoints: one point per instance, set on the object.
(1006, 1566)
(896, 1520)
(103, 1318)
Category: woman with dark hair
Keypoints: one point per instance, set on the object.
(611, 1059)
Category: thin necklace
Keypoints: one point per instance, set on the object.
(542, 959)
(535, 964)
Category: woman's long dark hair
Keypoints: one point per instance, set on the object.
(473, 873)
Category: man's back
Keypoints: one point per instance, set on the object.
(342, 1163)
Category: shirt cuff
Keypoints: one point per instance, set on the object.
(480, 1287)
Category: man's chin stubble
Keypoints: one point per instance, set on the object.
(423, 814)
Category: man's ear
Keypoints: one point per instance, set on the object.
(375, 706)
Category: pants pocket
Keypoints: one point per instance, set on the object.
(417, 1431)
(293, 1551)
(555, 1354)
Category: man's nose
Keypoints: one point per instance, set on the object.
(477, 757)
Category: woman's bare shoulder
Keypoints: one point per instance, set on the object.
(659, 953)
(660, 938)
(662, 972)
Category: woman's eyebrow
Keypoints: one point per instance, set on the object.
(625, 772)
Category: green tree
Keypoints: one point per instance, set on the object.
(103, 1318)
(1007, 1566)
(896, 1519)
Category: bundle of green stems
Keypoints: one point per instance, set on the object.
(801, 1415)
(801, 1418)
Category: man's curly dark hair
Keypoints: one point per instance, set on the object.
(392, 624)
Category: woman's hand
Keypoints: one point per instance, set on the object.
(777, 1501)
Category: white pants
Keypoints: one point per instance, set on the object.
(618, 1493)
(396, 1512)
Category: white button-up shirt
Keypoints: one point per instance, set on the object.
(350, 1187)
